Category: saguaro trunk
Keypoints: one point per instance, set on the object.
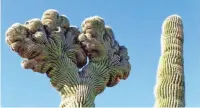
(78, 96)
(53, 47)
(170, 86)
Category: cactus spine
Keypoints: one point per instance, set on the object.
(170, 87)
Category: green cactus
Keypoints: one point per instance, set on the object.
(170, 85)
(53, 47)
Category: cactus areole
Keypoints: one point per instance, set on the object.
(51, 46)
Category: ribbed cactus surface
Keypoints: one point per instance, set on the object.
(170, 87)
(50, 45)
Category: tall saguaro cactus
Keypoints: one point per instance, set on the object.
(170, 86)
(53, 47)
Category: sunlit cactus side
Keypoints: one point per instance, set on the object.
(170, 85)
(53, 47)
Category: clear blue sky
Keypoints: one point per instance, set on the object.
(136, 24)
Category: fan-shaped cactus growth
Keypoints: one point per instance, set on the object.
(170, 87)
(53, 47)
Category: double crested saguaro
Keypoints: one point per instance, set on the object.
(53, 47)
(170, 85)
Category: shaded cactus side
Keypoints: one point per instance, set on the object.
(170, 87)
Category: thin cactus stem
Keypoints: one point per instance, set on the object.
(170, 86)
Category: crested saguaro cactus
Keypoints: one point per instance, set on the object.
(170, 86)
(53, 47)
